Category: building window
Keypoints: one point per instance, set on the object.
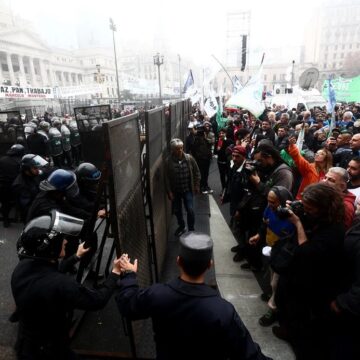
(265, 77)
(350, 46)
(282, 77)
(335, 47)
(334, 65)
(343, 47)
(325, 66)
(274, 77)
(334, 55)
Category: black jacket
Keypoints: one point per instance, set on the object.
(44, 202)
(190, 321)
(38, 144)
(9, 169)
(349, 300)
(25, 189)
(44, 299)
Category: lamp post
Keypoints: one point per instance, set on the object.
(292, 74)
(158, 61)
(113, 29)
(180, 85)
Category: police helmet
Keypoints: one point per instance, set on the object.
(56, 123)
(44, 125)
(16, 150)
(61, 180)
(43, 236)
(87, 172)
(31, 160)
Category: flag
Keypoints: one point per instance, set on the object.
(300, 139)
(331, 97)
(219, 119)
(250, 96)
(189, 82)
(211, 105)
(237, 84)
(331, 105)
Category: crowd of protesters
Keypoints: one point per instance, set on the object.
(292, 179)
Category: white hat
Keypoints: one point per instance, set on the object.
(190, 125)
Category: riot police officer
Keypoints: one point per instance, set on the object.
(88, 176)
(9, 170)
(56, 149)
(26, 184)
(44, 296)
(75, 141)
(66, 143)
(38, 141)
(54, 194)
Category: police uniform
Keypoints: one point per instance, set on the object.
(190, 320)
(66, 144)
(56, 149)
(45, 297)
(9, 169)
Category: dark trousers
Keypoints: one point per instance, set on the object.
(76, 152)
(223, 171)
(6, 200)
(204, 166)
(68, 158)
(247, 226)
(188, 200)
(58, 160)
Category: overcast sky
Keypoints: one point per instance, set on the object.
(193, 28)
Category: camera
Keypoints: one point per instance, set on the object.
(296, 206)
(251, 166)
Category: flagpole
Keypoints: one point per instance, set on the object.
(233, 85)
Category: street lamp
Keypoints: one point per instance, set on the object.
(180, 85)
(113, 29)
(158, 61)
(292, 74)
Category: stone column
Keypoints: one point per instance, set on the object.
(22, 76)
(44, 78)
(32, 73)
(11, 70)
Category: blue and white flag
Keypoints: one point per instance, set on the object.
(189, 82)
(237, 84)
(331, 97)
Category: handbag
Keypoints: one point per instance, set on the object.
(282, 254)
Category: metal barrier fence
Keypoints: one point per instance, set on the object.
(129, 226)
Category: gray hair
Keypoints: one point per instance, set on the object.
(174, 143)
(341, 172)
(348, 114)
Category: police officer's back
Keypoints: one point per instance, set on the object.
(26, 184)
(45, 297)
(190, 319)
(38, 144)
(9, 169)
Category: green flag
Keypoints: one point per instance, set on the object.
(219, 119)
